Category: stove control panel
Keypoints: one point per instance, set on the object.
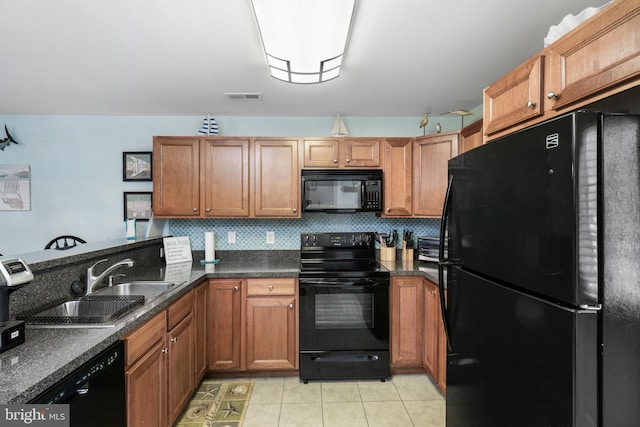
(329, 240)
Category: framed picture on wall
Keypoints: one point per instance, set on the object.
(137, 205)
(136, 166)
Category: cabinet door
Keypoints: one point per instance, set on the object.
(226, 177)
(431, 329)
(597, 56)
(224, 319)
(200, 317)
(176, 176)
(181, 366)
(470, 137)
(514, 98)
(360, 152)
(321, 153)
(406, 321)
(431, 155)
(277, 178)
(397, 176)
(442, 352)
(271, 333)
(146, 388)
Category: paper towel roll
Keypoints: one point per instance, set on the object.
(209, 252)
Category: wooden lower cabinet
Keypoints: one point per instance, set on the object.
(253, 324)
(224, 320)
(406, 321)
(160, 372)
(200, 306)
(181, 342)
(146, 374)
(435, 345)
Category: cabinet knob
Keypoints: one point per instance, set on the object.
(433, 292)
(348, 160)
(195, 209)
(208, 209)
(388, 210)
(291, 305)
(236, 288)
(270, 287)
(552, 95)
(335, 160)
(174, 339)
(531, 104)
(295, 210)
(165, 350)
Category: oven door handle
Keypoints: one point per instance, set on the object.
(361, 284)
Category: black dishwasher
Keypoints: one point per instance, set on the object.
(95, 392)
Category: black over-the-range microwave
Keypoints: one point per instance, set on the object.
(341, 191)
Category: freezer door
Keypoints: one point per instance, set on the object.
(523, 210)
(516, 360)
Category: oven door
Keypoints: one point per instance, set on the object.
(344, 314)
(344, 329)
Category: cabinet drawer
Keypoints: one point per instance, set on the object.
(179, 310)
(142, 339)
(271, 286)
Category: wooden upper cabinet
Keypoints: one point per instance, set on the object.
(470, 137)
(514, 98)
(431, 156)
(597, 56)
(277, 178)
(360, 152)
(226, 177)
(321, 153)
(397, 176)
(341, 153)
(176, 176)
(597, 59)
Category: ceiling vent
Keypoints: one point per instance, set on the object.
(244, 96)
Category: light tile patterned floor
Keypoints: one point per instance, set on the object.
(405, 400)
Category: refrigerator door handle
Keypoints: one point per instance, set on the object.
(443, 262)
(443, 220)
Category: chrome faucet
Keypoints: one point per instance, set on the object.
(92, 281)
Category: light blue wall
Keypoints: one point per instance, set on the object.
(76, 174)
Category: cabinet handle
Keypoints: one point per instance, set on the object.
(270, 287)
(552, 95)
(335, 161)
(174, 339)
(236, 288)
(291, 305)
(531, 104)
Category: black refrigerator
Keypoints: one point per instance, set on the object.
(540, 247)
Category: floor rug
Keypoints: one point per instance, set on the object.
(217, 404)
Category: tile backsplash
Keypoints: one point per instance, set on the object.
(251, 232)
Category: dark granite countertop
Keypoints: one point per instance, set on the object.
(49, 355)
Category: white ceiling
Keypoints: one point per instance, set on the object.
(179, 57)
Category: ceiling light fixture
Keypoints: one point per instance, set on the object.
(304, 40)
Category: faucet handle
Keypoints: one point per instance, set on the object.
(114, 276)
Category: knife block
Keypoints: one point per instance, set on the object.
(387, 254)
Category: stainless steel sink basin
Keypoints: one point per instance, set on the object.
(88, 310)
(149, 289)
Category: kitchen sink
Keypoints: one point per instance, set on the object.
(149, 289)
(90, 310)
